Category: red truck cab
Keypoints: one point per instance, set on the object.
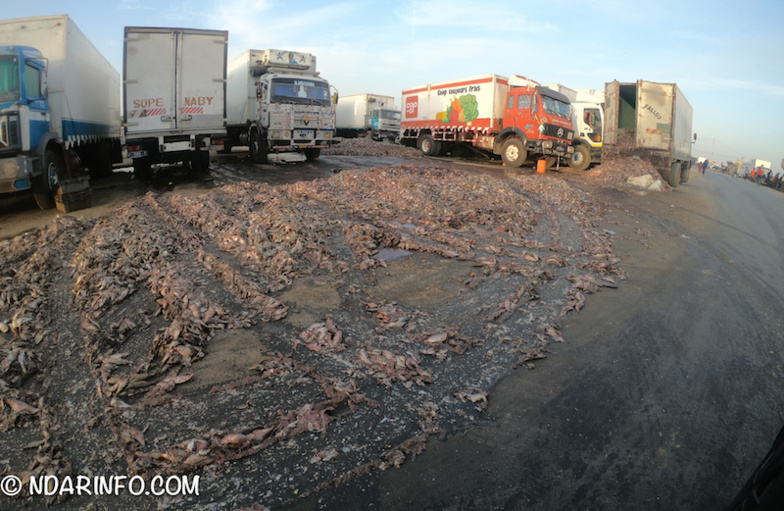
(537, 120)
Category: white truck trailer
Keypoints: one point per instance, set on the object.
(59, 111)
(653, 121)
(367, 114)
(174, 87)
(588, 119)
(277, 102)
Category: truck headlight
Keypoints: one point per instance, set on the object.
(541, 129)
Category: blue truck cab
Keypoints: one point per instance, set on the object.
(24, 117)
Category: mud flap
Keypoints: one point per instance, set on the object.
(74, 194)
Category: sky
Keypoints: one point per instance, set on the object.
(726, 56)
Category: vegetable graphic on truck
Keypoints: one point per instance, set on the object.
(462, 109)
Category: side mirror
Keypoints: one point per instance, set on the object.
(335, 98)
(695, 137)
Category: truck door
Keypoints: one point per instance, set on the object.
(518, 113)
(200, 88)
(149, 76)
(654, 115)
(611, 104)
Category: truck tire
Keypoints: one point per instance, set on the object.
(258, 149)
(685, 173)
(513, 154)
(142, 168)
(551, 161)
(581, 158)
(100, 161)
(200, 162)
(675, 175)
(428, 146)
(312, 154)
(45, 184)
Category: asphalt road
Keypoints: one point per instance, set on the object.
(667, 393)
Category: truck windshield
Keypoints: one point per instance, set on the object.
(555, 107)
(390, 114)
(303, 92)
(9, 78)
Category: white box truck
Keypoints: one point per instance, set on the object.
(59, 111)
(588, 121)
(277, 102)
(367, 114)
(174, 89)
(650, 120)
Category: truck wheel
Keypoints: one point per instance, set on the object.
(428, 146)
(100, 162)
(675, 175)
(551, 161)
(513, 154)
(258, 149)
(45, 184)
(685, 173)
(142, 168)
(200, 162)
(312, 154)
(581, 158)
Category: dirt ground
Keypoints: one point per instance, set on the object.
(277, 335)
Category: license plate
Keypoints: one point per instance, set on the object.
(303, 134)
(137, 154)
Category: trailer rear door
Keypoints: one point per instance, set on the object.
(174, 80)
(201, 78)
(149, 80)
(654, 115)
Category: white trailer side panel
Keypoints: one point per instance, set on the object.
(241, 88)
(83, 87)
(427, 106)
(682, 129)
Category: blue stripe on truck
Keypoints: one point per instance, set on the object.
(76, 132)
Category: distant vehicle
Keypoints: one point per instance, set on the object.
(175, 95)
(653, 121)
(367, 114)
(515, 118)
(59, 112)
(277, 102)
(588, 121)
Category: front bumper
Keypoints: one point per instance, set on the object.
(15, 174)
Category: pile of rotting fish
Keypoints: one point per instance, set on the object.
(617, 171)
(104, 323)
(365, 146)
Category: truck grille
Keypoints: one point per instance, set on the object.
(9, 131)
(551, 130)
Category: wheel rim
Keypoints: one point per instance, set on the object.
(51, 174)
(426, 146)
(577, 158)
(512, 153)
